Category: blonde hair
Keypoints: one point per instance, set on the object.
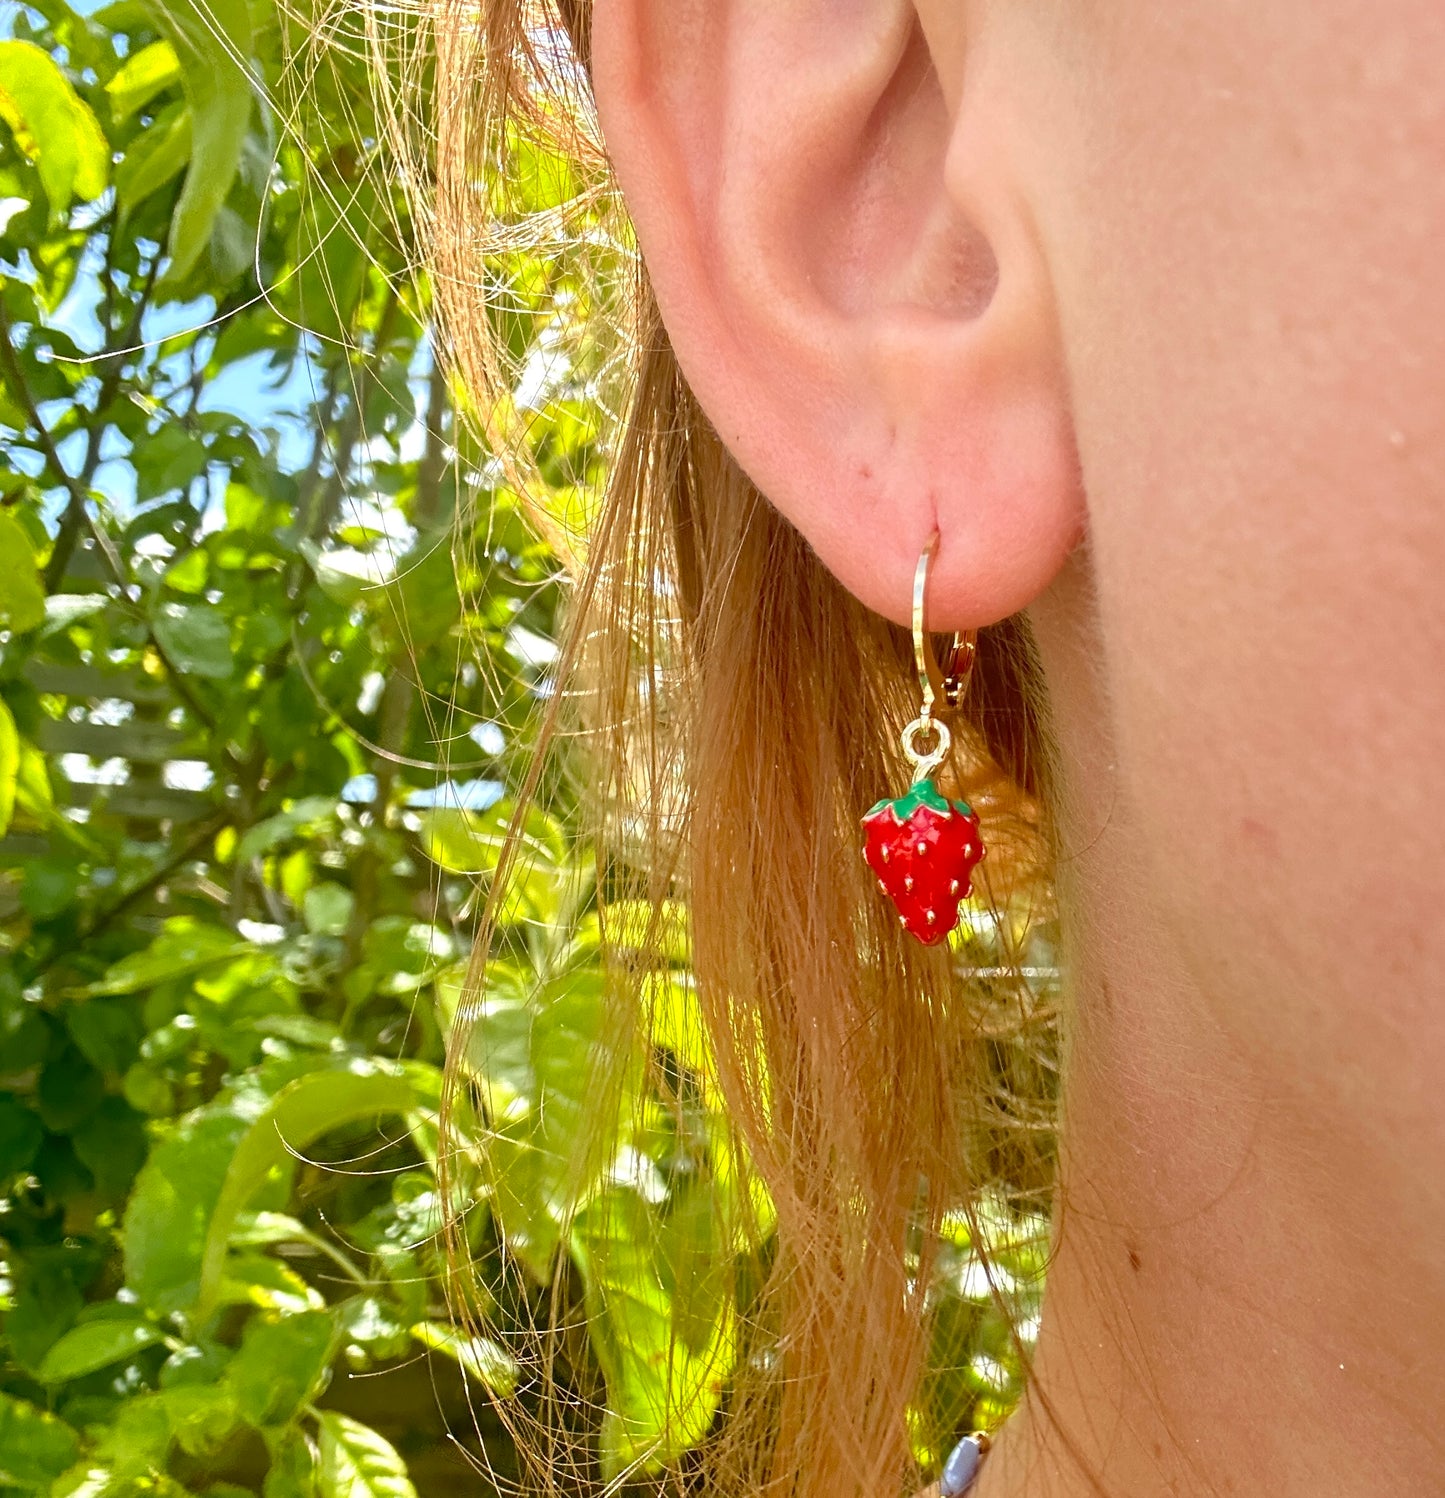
(738, 711)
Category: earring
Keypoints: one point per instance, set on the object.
(924, 847)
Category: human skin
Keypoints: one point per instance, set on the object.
(1141, 305)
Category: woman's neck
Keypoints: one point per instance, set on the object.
(1244, 1297)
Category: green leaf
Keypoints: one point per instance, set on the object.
(293, 1468)
(53, 126)
(301, 819)
(169, 1211)
(9, 767)
(254, 1279)
(543, 1064)
(33, 792)
(346, 575)
(201, 1419)
(356, 1462)
(69, 1091)
(257, 1228)
(152, 159)
(371, 1323)
(331, 234)
(233, 245)
(302, 1111)
(62, 1177)
(327, 909)
(95, 1344)
(24, 1038)
(663, 1387)
(46, 1298)
(643, 927)
(112, 1145)
(22, 595)
(168, 459)
(108, 1032)
(194, 1363)
(424, 594)
(131, 1451)
(281, 1365)
(479, 1357)
(49, 885)
(184, 947)
(213, 46)
(35, 1448)
(64, 609)
(20, 1135)
(141, 77)
(465, 842)
(196, 637)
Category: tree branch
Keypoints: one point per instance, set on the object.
(76, 517)
(158, 875)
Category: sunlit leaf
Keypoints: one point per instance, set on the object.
(35, 1447)
(280, 1365)
(141, 77)
(480, 1357)
(52, 125)
(183, 947)
(214, 48)
(170, 1208)
(9, 766)
(64, 609)
(22, 595)
(306, 1108)
(548, 1068)
(663, 1389)
(196, 639)
(356, 1462)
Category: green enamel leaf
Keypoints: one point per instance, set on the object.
(922, 793)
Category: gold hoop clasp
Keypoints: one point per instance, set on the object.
(942, 683)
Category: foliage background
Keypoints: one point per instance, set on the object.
(273, 640)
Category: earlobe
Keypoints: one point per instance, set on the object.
(848, 277)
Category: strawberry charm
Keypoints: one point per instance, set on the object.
(923, 848)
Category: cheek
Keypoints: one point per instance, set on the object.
(1245, 224)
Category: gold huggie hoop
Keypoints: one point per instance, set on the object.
(944, 682)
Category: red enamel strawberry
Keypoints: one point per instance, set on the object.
(923, 848)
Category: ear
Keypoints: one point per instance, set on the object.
(849, 276)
